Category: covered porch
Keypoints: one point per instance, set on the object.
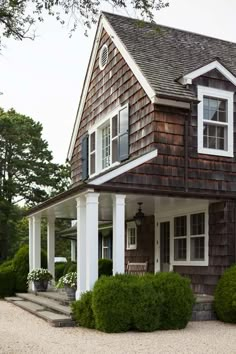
(154, 241)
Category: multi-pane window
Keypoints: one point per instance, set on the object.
(92, 153)
(108, 142)
(215, 123)
(106, 147)
(106, 247)
(180, 238)
(190, 234)
(197, 236)
(131, 236)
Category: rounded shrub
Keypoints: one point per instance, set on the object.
(112, 303)
(146, 308)
(21, 267)
(6, 264)
(225, 296)
(82, 311)
(7, 281)
(177, 300)
(59, 270)
(104, 267)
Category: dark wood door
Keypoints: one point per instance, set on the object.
(165, 246)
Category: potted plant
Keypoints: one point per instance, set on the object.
(69, 283)
(40, 277)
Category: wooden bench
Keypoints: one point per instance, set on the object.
(137, 268)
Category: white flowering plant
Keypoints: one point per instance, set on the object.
(69, 280)
(39, 274)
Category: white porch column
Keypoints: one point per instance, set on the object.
(91, 239)
(30, 244)
(36, 241)
(118, 233)
(73, 250)
(51, 244)
(81, 246)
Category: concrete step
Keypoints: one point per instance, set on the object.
(53, 318)
(46, 303)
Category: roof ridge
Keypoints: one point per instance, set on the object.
(168, 27)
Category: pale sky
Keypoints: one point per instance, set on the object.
(43, 78)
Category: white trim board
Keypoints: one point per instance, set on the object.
(124, 168)
(188, 78)
(104, 24)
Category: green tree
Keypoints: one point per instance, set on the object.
(17, 17)
(27, 172)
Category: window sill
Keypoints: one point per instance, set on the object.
(191, 263)
(131, 249)
(107, 169)
(215, 152)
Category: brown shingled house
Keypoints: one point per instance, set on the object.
(155, 125)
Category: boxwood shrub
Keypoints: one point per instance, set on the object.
(21, 267)
(225, 296)
(177, 300)
(7, 281)
(124, 302)
(104, 267)
(82, 311)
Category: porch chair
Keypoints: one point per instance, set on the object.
(137, 268)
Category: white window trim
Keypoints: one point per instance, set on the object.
(97, 129)
(226, 95)
(188, 261)
(131, 225)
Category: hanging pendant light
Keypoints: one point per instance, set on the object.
(139, 216)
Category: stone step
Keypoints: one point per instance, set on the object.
(60, 297)
(46, 303)
(53, 318)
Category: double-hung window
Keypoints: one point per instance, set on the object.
(131, 236)
(190, 239)
(215, 121)
(108, 141)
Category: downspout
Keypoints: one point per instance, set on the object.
(186, 155)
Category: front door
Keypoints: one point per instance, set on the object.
(165, 246)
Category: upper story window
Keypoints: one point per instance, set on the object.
(215, 121)
(108, 141)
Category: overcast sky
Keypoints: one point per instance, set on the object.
(43, 78)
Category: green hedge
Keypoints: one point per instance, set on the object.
(127, 302)
(104, 267)
(225, 296)
(59, 270)
(21, 267)
(82, 311)
(7, 281)
(70, 267)
(177, 300)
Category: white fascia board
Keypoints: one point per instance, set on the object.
(103, 23)
(187, 79)
(124, 168)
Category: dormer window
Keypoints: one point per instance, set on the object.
(215, 122)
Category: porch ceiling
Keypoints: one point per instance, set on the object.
(66, 209)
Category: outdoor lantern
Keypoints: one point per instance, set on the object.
(139, 216)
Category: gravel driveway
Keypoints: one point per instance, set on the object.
(21, 332)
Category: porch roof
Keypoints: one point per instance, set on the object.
(63, 205)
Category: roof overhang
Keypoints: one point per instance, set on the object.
(188, 78)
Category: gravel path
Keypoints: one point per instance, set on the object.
(21, 332)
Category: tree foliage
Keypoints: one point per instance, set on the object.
(27, 172)
(17, 17)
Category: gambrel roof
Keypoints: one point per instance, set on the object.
(165, 54)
